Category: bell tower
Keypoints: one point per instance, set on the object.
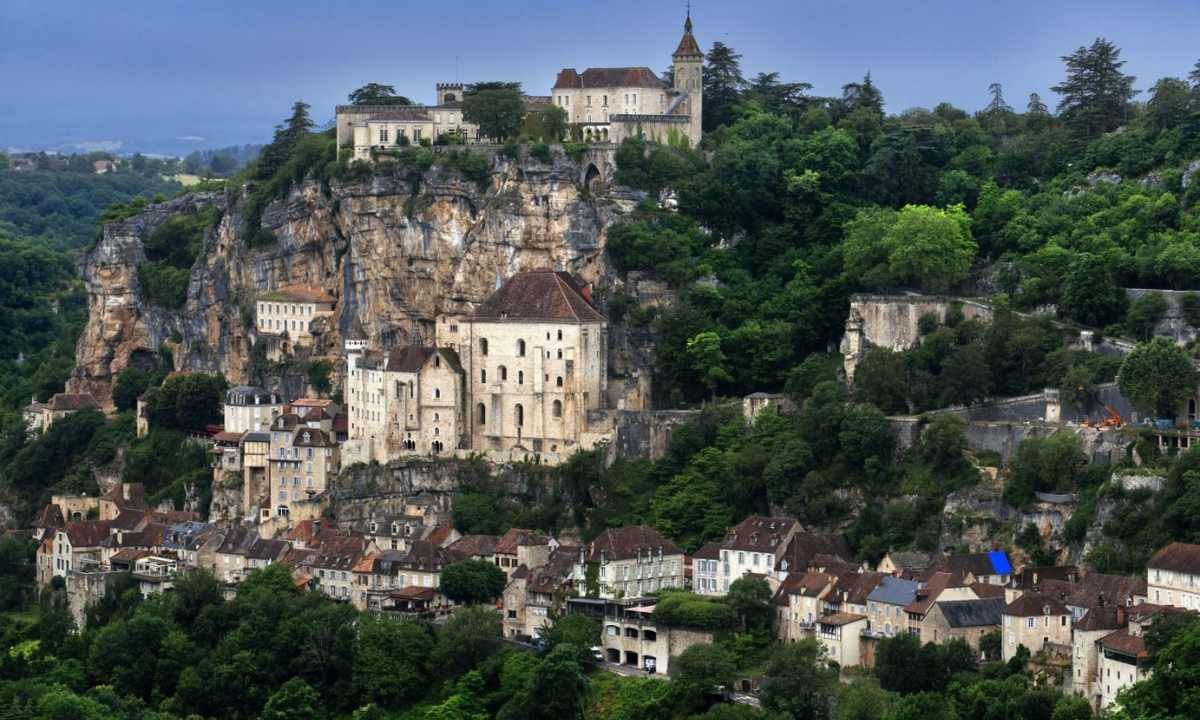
(688, 65)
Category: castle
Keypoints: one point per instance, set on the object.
(603, 105)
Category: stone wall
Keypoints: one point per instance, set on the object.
(891, 321)
(645, 435)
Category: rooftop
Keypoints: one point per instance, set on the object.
(618, 77)
(1177, 557)
(545, 295)
(299, 294)
(972, 613)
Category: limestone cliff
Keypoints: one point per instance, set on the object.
(395, 251)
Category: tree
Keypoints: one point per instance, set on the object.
(1144, 314)
(557, 689)
(997, 104)
(924, 246)
(577, 630)
(287, 135)
(554, 121)
(1170, 690)
(778, 97)
(470, 636)
(1096, 94)
(723, 84)
(708, 361)
(472, 581)
(389, 662)
(750, 598)
(294, 700)
(698, 671)
(496, 107)
(131, 383)
(1158, 377)
(377, 94)
(895, 661)
(798, 683)
(1090, 294)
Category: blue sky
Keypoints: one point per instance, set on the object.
(174, 74)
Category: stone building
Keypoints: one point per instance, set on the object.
(630, 561)
(754, 546)
(1173, 576)
(1096, 624)
(409, 402)
(630, 635)
(40, 416)
(535, 355)
(302, 461)
(520, 547)
(292, 314)
(967, 620)
(534, 597)
(841, 635)
(886, 603)
(1035, 620)
(611, 104)
(250, 409)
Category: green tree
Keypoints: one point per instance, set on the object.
(472, 581)
(377, 94)
(698, 671)
(895, 661)
(750, 598)
(861, 701)
(554, 122)
(1090, 294)
(389, 662)
(930, 248)
(470, 636)
(1096, 94)
(708, 362)
(498, 108)
(1171, 691)
(1072, 707)
(797, 682)
(576, 630)
(1158, 377)
(723, 84)
(294, 700)
(131, 383)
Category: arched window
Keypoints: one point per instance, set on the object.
(503, 373)
(560, 353)
(560, 334)
(482, 411)
(558, 381)
(436, 417)
(483, 346)
(437, 360)
(557, 408)
(520, 415)
(483, 375)
(520, 377)
(520, 348)
(437, 393)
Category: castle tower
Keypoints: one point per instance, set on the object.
(450, 93)
(688, 65)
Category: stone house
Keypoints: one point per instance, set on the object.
(628, 562)
(473, 547)
(841, 636)
(334, 564)
(48, 521)
(302, 461)
(522, 547)
(185, 540)
(937, 585)
(40, 416)
(123, 497)
(392, 532)
(1096, 624)
(904, 563)
(992, 568)
(1173, 576)
(226, 459)
(851, 592)
(255, 452)
(806, 548)
(534, 597)
(77, 543)
(754, 546)
(631, 637)
(380, 574)
(705, 570)
(1035, 620)
(967, 620)
(410, 402)
(799, 603)
(885, 606)
(250, 409)
(291, 314)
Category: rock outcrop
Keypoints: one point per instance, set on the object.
(394, 250)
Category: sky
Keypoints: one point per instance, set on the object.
(175, 75)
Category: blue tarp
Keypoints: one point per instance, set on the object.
(1000, 563)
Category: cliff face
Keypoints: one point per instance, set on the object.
(393, 251)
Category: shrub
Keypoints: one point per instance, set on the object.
(541, 152)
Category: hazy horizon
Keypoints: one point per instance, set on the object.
(157, 78)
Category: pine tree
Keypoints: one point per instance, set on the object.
(286, 136)
(997, 103)
(862, 96)
(1194, 76)
(723, 85)
(1096, 94)
(1036, 106)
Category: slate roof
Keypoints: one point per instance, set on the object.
(618, 77)
(423, 555)
(408, 359)
(1096, 589)
(517, 537)
(839, 619)
(237, 541)
(413, 114)
(987, 590)
(65, 402)
(1036, 605)
(340, 552)
(972, 613)
(804, 584)
(1125, 644)
(557, 570)
(245, 395)
(911, 559)
(894, 591)
(267, 549)
(469, 546)
(544, 295)
(688, 47)
(708, 551)
(855, 587)
(312, 437)
(1177, 557)
(625, 543)
(759, 533)
(804, 546)
(136, 491)
(928, 593)
(979, 564)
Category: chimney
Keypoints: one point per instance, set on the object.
(587, 292)
(1120, 616)
(125, 490)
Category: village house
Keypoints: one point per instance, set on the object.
(991, 568)
(841, 636)
(410, 402)
(905, 563)
(76, 543)
(630, 635)
(522, 547)
(629, 561)
(294, 315)
(334, 565)
(799, 603)
(473, 547)
(1096, 624)
(40, 416)
(705, 569)
(185, 540)
(254, 450)
(885, 606)
(301, 463)
(937, 585)
(250, 409)
(754, 546)
(1173, 576)
(967, 620)
(241, 551)
(534, 597)
(155, 573)
(1035, 621)
(392, 532)
(226, 452)
(380, 575)
(121, 498)
(806, 548)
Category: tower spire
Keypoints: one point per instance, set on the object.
(687, 23)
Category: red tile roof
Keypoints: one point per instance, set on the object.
(517, 537)
(539, 295)
(299, 294)
(688, 47)
(1125, 644)
(87, 533)
(607, 78)
(1177, 557)
(628, 542)
(758, 533)
(1035, 605)
(469, 546)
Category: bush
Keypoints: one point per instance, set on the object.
(163, 285)
(541, 152)
(683, 609)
